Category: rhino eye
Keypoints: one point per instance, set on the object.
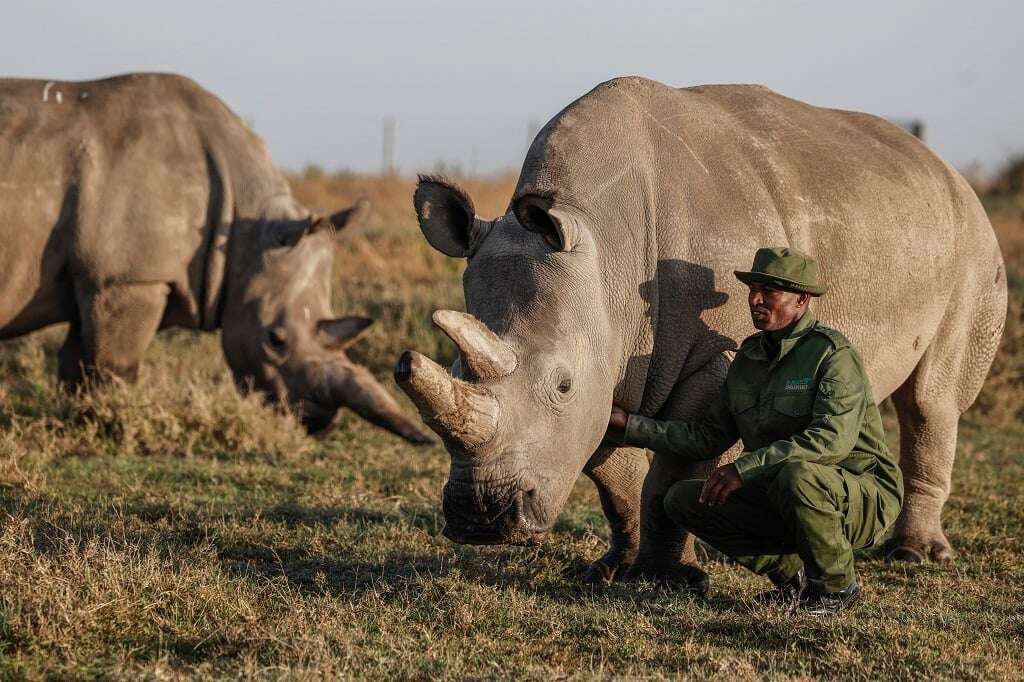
(277, 338)
(560, 388)
(288, 235)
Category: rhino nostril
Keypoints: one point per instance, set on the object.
(528, 486)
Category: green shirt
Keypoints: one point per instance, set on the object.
(812, 402)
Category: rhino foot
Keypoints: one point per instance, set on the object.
(678, 576)
(611, 567)
(918, 550)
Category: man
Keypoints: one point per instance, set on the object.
(815, 480)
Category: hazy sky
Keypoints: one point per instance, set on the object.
(465, 79)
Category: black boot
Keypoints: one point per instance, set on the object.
(827, 603)
(786, 590)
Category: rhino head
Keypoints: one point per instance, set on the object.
(278, 333)
(527, 402)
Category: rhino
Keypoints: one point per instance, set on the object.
(140, 202)
(609, 281)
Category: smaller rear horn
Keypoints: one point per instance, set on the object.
(482, 352)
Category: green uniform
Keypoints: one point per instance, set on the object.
(818, 479)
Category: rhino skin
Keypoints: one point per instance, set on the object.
(140, 202)
(609, 280)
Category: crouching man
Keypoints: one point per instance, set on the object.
(815, 480)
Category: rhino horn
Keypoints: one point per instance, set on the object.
(461, 413)
(356, 388)
(482, 352)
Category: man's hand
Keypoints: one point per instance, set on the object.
(720, 485)
(619, 418)
(617, 421)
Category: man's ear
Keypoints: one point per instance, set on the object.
(447, 217)
(538, 214)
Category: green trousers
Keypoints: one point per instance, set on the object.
(809, 515)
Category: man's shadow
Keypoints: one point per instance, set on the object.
(676, 297)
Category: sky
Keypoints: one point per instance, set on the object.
(467, 82)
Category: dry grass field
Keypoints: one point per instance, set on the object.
(174, 529)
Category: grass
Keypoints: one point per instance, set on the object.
(174, 529)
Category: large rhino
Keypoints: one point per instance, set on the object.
(609, 280)
(140, 202)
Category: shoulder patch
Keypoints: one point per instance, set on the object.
(836, 337)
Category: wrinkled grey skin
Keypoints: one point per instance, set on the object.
(141, 202)
(611, 277)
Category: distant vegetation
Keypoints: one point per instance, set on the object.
(1009, 181)
(173, 528)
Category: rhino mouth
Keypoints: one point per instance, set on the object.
(509, 520)
(317, 419)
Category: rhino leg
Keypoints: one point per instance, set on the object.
(70, 359)
(666, 553)
(929, 417)
(947, 379)
(116, 325)
(927, 447)
(619, 476)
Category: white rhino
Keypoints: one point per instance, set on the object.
(609, 280)
(140, 202)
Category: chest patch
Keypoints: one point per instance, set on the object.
(801, 384)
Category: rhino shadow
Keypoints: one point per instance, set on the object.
(55, 301)
(676, 297)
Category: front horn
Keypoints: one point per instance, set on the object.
(459, 412)
(482, 352)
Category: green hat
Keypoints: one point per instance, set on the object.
(786, 268)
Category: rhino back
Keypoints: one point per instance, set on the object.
(117, 180)
(681, 186)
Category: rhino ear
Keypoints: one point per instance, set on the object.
(446, 216)
(353, 215)
(342, 332)
(537, 214)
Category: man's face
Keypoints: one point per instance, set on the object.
(772, 308)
